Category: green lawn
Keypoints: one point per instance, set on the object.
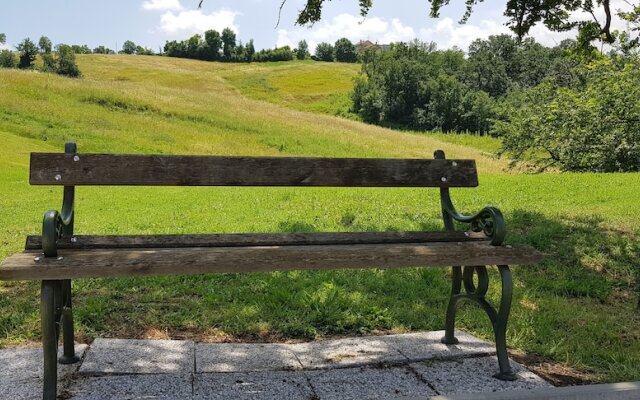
(577, 308)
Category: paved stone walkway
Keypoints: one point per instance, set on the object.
(395, 366)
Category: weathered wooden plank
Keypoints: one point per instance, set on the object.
(164, 170)
(142, 262)
(252, 239)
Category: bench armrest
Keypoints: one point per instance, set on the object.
(59, 224)
(489, 220)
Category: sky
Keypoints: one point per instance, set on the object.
(151, 23)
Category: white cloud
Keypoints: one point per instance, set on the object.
(448, 33)
(162, 5)
(354, 28)
(196, 21)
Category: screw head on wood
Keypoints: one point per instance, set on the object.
(443, 179)
(59, 258)
(76, 158)
(74, 239)
(453, 163)
(57, 177)
(36, 258)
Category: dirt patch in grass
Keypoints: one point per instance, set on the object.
(557, 374)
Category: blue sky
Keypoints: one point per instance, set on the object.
(151, 22)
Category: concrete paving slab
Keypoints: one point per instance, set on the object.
(608, 391)
(421, 346)
(290, 385)
(471, 375)
(348, 352)
(368, 383)
(129, 356)
(129, 387)
(21, 372)
(245, 357)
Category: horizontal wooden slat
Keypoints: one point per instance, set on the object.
(161, 170)
(142, 262)
(252, 239)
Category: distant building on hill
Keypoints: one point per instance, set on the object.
(364, 45)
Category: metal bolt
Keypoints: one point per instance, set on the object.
(443, 179)
(466, 233)
(74, 239)
(36, 258)
(60, 258)
(76, 158)
(58, 177)
(453, 163)
(509, 246)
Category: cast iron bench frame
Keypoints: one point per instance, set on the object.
(57, 256)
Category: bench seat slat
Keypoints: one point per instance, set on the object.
(165, 170)
(252, 239)
(143, 262)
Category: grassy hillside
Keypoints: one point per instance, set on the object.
(577, 308)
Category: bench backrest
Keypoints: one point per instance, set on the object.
(70, 169)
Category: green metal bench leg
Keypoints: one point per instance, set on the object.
(449, 328)
(500, 325)
(69, 353)
(50, 301)
(498, 318)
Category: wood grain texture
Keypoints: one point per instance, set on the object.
(162, 170)
(252, 239)
(74, 264)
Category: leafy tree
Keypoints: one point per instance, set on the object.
(66, 63)
(213, 44)
(45, 44)
(324, 52)
(302, 52)
(228, 43)
(194, 44)
(81, 49)
(250, 51)
(592, 125)
(7, 59)
(103, 50)
(49, 63)
(3, 38)
(345, 51)
(278, 54)
(28, 53)
(129, 47)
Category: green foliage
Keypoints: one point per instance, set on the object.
(45, 44)
(3, 38)
(228, 42)
(278, 54)
(324, 52)
(591, 125)
(212, 45)
(103, 50)
(81, 49)
(345, 51)
(7, 59)
(415, 86)
(129, 47)
(28, 53)
(302, 52)
(66, 63)
(49, 62)
(250, 51)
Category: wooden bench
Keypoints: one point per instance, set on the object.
(58, 255)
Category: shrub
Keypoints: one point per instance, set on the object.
(593, 125)
(7, 59)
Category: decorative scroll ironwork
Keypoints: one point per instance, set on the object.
(489, 220)
(56, 225)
